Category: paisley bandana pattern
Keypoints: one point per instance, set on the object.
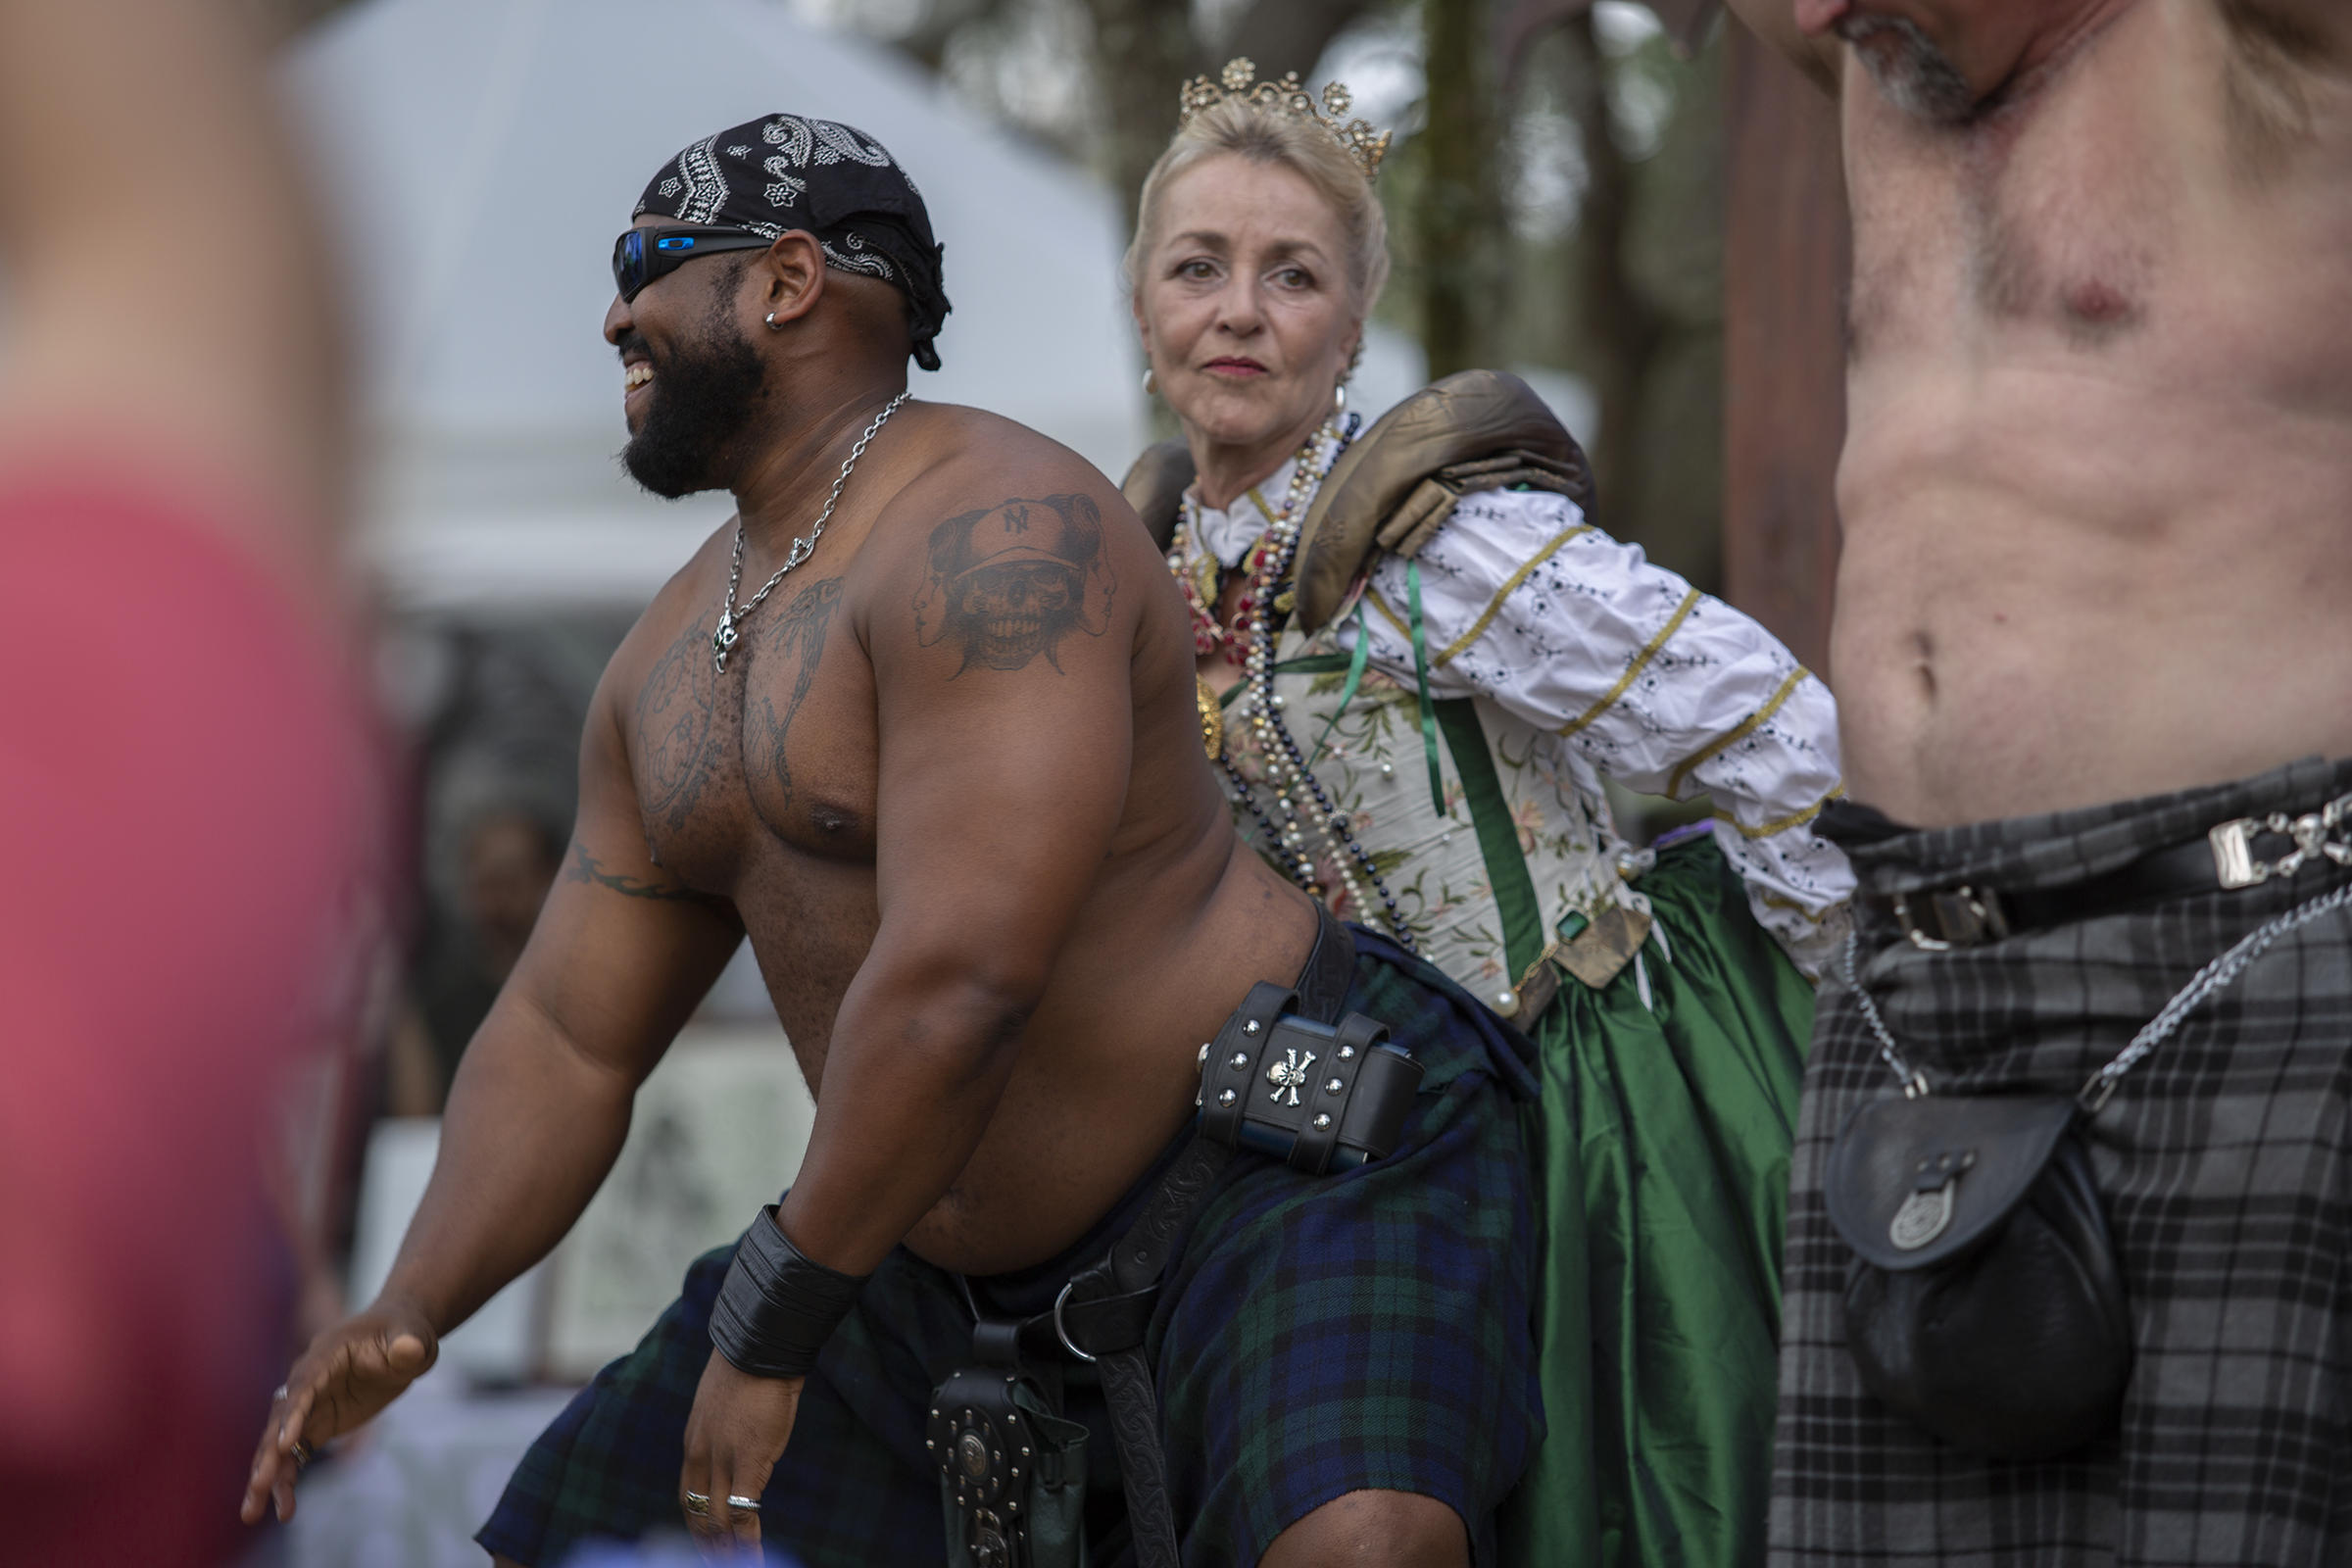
(787, 171)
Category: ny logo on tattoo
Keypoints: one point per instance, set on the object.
(1289, 1076)
(1013, 580)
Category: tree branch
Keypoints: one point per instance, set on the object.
(1282, 35)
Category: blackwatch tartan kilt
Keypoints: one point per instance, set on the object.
(2225, 1161)
(1316, 1335)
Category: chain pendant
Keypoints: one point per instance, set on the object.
(732, 615)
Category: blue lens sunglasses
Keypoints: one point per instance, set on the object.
(642, 255)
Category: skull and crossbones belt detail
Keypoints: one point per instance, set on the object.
(1289, 1076)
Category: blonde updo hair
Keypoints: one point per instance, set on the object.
(1274, 136)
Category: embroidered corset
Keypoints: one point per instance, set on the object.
(1555, 656)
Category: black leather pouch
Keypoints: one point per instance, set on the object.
(1318, 1096)
(1013, 1473)
(1985, 1302)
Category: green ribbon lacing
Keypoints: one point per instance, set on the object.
(1465, 737)
(1515, 899)
(1357, 664)
(1428, 713)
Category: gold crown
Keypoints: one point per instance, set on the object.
(1238, 80)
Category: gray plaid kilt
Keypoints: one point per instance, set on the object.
(2225, 1161)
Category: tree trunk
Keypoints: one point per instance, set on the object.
(1143, 55)
(1279, 35)
(1622, 328)
(1457, 222)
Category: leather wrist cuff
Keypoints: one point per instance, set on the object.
(778, 1306)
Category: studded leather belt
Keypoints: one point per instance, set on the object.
(1290, 1074)
(2244, 853)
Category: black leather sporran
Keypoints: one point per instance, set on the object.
(1985, 1302)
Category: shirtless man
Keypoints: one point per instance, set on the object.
(945, 771)
(2094, 627)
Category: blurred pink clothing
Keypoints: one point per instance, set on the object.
(190, 805)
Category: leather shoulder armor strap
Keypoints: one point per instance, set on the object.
(1477, 430)
(1154, 488)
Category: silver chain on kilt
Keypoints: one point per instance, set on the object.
(2094, 1093)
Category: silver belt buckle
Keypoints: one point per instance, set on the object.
(2233, 862)
(1965, 916)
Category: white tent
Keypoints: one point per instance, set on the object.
(479, 158)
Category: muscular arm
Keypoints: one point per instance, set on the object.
(1005, 751)
(620, 956)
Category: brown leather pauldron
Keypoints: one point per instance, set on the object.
(1391, 490)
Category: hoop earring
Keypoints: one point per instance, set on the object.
(1151, 383)
(774, 325)
(1338, 398)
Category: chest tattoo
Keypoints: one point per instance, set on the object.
(676, 715)
(789, 651)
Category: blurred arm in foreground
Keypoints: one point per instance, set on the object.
(168, 298)
(184, 753)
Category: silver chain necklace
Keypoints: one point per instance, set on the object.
(732, 615)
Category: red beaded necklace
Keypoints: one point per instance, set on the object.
(1204, 582)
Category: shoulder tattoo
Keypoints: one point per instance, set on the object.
(1008, 582)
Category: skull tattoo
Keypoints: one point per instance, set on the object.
(1011, 581)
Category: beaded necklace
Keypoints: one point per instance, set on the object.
(1294, 785)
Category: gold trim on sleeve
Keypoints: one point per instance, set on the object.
(1634, 670)
(1765, 830)
(1510, 586)
(1372, 594)
(1732, 736)
(1773, 901)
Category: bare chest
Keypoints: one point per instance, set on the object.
(2161, 202)
(745, 776)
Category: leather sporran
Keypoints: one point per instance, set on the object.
(1985, 1302)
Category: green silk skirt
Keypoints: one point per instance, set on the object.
(1661, 1139)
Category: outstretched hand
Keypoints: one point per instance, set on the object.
(733, 1440)
(349, 1373)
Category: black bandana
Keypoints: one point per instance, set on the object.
(785, 172)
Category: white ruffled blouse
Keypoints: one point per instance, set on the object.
(1582, 660)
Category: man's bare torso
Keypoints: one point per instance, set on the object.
(759, 787)
(2097, 482)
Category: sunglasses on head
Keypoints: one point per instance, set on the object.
(642, 255)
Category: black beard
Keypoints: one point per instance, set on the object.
(1917, 78)
(704, 396)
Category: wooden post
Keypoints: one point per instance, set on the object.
(1788, 255)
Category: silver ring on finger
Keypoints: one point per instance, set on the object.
(278, 1393)
(743, 1505)
(698, 1503)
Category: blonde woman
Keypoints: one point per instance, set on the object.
(1419, 657)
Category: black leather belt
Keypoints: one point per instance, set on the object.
(1101, 1314)
(2241, 854)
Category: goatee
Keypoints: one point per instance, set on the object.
(1917, 77)
(704, 396)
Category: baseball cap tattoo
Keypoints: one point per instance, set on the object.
(783, 171)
